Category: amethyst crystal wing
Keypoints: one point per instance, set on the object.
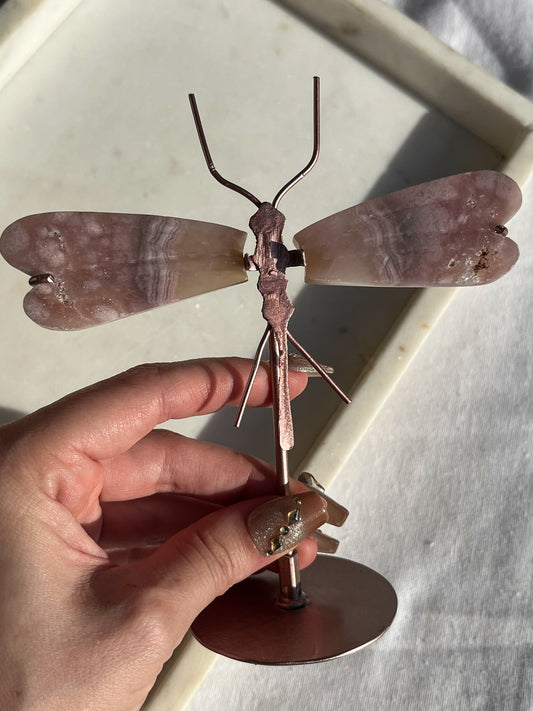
(448, 232)
(88, 268)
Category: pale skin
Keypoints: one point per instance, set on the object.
(104, 563)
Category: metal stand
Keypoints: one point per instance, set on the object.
(349, 607)
(269, 619)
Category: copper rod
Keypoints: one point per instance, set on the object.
(282, 462)
(291, 595)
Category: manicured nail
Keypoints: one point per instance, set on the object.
(301, 365)
(309, 480)
(281, 524)
(325, 544)
(337, 513)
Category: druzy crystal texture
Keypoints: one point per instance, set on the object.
(448, 232)
(91, 267)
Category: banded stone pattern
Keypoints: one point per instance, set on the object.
(442, 233)
(104, 266)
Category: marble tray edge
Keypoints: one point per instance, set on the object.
(24, 27)
(425, 66)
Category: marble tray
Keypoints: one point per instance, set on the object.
(95, 116)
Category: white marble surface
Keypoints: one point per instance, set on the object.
(439, 488)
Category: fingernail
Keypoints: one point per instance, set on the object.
(325, 544)
(281, 524)
(301, 365)
(309, 480)
(337, 513)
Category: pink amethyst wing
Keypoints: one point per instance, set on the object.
(448, 232)
(92, 267)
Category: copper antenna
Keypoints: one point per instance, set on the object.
(207, 155)
(316, 145)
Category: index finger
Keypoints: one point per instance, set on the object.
(107, 418)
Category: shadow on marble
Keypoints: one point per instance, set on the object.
(8, 415)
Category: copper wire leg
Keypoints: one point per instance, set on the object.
(318, 368)
(251, 377)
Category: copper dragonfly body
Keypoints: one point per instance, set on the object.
(88, 268)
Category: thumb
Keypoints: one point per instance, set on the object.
(202, 561)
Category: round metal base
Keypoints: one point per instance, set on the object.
(349, 607)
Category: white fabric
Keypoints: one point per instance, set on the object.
(440, 489)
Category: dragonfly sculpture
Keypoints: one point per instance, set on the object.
(88, 268)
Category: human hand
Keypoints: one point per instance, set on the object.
(115, 535)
